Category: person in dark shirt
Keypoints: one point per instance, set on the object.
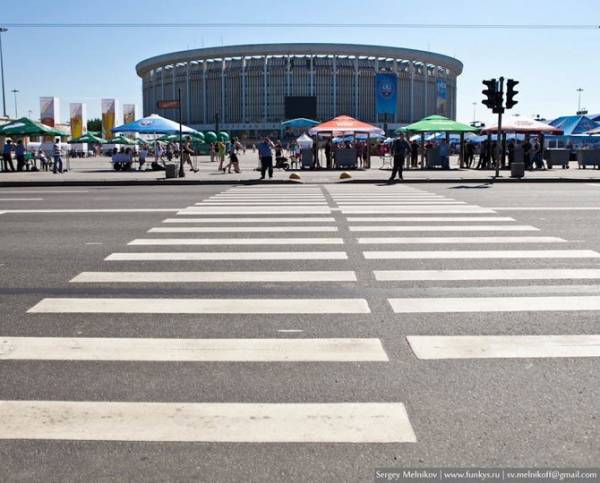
(527, 154)
(399, 149)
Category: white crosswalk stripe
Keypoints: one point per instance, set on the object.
(490, 274)
(504, 346)
(237, 241)
(214, 277)
(480, 254)
(200, 306)
(244, 229)
(190, 256)
(495, 304)
(272, 219)
(459, 240)
(198, 350)
(444, 228)
(210, 422)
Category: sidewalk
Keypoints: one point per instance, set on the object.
(98, 171)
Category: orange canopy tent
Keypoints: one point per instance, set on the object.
(343, 126)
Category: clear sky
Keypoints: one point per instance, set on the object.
(85, 64)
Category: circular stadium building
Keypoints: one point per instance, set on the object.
(253, 88)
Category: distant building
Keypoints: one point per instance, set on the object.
(256, 87)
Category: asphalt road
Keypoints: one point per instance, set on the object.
(505, 411)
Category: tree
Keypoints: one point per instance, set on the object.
(94, 125)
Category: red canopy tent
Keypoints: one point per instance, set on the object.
(522, 125)
(344, 126)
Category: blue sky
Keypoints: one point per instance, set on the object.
(88, 64)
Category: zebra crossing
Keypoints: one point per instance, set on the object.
(285, 225)
(472, 346)
(309, 422)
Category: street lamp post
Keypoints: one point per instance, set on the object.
(579, 91)
(15, 91)
(474, 112)
(2, 29)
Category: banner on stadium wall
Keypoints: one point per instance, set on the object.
(78, 117)
(128, 113)
(49, 111)
(441, 103)
(386, 93)
(109, 117)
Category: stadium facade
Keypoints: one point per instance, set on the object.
(256, 87)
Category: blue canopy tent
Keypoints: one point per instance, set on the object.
(575, 129)
(298, 123)
(153, 124)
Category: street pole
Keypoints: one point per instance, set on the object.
(181, 173)
(498, 140)
(15, 91)
(474, 112)
(2, 30)
(579, 91)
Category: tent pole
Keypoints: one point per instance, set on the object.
(462, 149)
(422, 150)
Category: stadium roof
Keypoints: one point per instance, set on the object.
(571, 125)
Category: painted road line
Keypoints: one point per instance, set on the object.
(504, 346)
(445, 228)
(546, 208)
(480, 254)
(40, 192)
(492, 274)
(214, 277)
(243, 229)
(111, 210)
(237, 241)
(400, 203)
(495, 304)
(280, 219)
(250, 210)
(21, 199)
(261, 203)
(192, 256)
(207, 422)
(377, 219)
(460, 239)
(438, 209)
(200, 306)
(196, 350)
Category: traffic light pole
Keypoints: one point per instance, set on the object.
(181, 172)
(499, 133)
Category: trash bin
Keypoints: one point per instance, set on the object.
(517, 169)
(170, 170)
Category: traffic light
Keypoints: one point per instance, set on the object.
(490, 93)
(511, 93)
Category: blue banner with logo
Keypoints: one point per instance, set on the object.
(386, 93)
(441, 103)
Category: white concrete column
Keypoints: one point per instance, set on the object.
(187, 94)
(174, 112)
(265, 88)
(412, 91)
(244, 88)
(356, 91)
(312, 76)
(223, 116)
(334, 73)
(426, 88)
(204, 97)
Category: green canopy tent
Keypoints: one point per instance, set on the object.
(210, 137)
(121, 140)
(435, 124)
(88, 138)
(26, 127)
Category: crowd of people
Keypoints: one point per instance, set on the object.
(31, 161)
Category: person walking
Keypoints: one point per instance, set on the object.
(399, 149)
(20, 155)
(527, 154)
(7, 150)
(328, 151)
(234, 148)
(221, 149)
(142, 157)
(266, 157)
(57, 157)
(469, 154)
(444, 154)
(414, 153)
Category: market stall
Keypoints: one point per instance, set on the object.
(344, 126)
